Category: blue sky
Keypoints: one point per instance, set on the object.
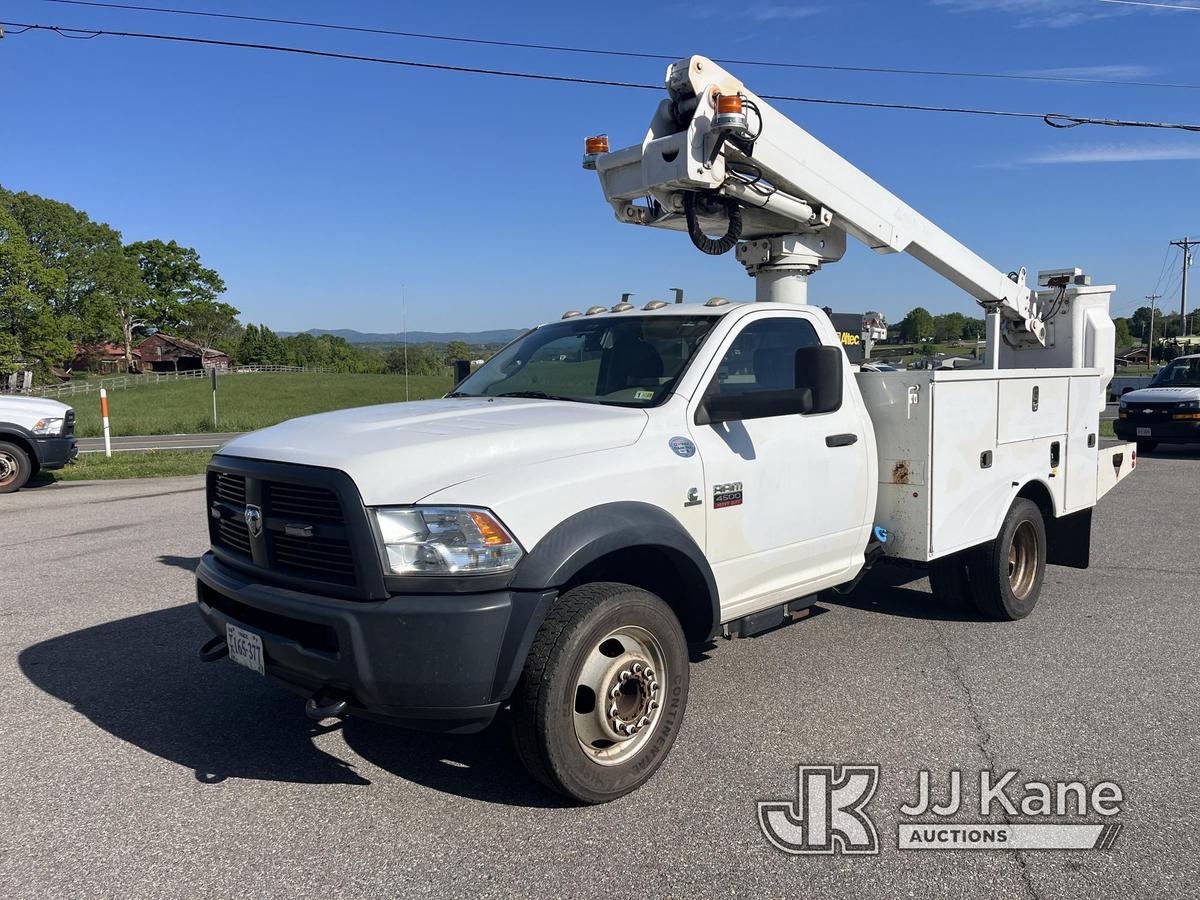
(319, 188)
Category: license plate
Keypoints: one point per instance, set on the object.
(1143, 432)
(245, 648)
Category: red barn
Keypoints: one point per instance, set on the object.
(164, 353)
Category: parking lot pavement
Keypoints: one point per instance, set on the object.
(131, 768)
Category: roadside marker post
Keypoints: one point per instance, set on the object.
(104, 420)
(213, 372)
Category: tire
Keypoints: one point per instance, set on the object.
(15, 468)
(592, 636)
(1145, 446)
(1007, 574)
(950, 581)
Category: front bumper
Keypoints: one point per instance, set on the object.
(55, 452)
(1182, 432)
(443, 662)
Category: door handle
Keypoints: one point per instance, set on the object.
(841, 440)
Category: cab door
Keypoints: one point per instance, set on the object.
(785, 495)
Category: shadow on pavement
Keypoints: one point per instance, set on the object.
(140, 680)
(885, 589)
(187, 563)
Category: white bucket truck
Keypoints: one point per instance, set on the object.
(550, 535)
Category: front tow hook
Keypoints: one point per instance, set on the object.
(321, 706)
(215, 649)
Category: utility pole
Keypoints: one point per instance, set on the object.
(1150, 343)
(1186, 246)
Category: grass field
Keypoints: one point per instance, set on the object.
(152, 464)
(244, 402)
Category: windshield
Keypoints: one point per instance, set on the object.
(1181, 373)
(626, 361)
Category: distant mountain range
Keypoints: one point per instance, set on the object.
(498, 336)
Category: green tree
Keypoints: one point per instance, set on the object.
(30, 334)
(917, 325)
(457, 350)
(89, 254)
(1124, 337)
(174, 279)
(974, 329)
(209, 323)
(949, 326)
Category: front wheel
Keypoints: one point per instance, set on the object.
(1007, 573)
(15, 468)
(603, 692)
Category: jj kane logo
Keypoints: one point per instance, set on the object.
(829, 814)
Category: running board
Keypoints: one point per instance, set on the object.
(769, 618)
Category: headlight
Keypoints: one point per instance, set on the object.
(1122, 404)
(48, 427)
(445, 540)
(1188, 404)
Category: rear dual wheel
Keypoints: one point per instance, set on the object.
(1003, 578)
(603, 692)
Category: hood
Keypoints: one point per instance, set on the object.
(401, 452)
(25, 411)
(1162, 395)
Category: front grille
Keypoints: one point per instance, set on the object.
(228, 487)
(328, 559)
(306, 534)
(307, 503)
(234, 534)
(1149, 412)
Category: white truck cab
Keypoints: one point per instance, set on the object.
(550, 535)
(1165, 412)
(35, 434)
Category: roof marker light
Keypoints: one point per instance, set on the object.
(595, 310)
(571, 314)
(656, 304)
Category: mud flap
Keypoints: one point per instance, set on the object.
(1070, 540)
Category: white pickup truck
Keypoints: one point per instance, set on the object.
(35, 434)
(615, 484)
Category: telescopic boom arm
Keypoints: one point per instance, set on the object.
(717, 158)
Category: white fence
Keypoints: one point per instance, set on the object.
(93, 385)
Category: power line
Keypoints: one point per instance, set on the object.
(1121, 2)
(628, 54)
(1055, 120)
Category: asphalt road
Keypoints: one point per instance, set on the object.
(142, 443)
(130, 768)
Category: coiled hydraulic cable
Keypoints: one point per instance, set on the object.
(713, 246)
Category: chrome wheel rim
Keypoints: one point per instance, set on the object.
(8, 468)
(1023, 560)
(618, 695)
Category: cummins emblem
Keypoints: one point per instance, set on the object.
(254, 520)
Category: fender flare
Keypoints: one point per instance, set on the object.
(25, 438)
(592, 533)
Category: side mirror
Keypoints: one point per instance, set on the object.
(819, 370)
(754, 405)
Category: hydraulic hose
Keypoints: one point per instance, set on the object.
(713, 246)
